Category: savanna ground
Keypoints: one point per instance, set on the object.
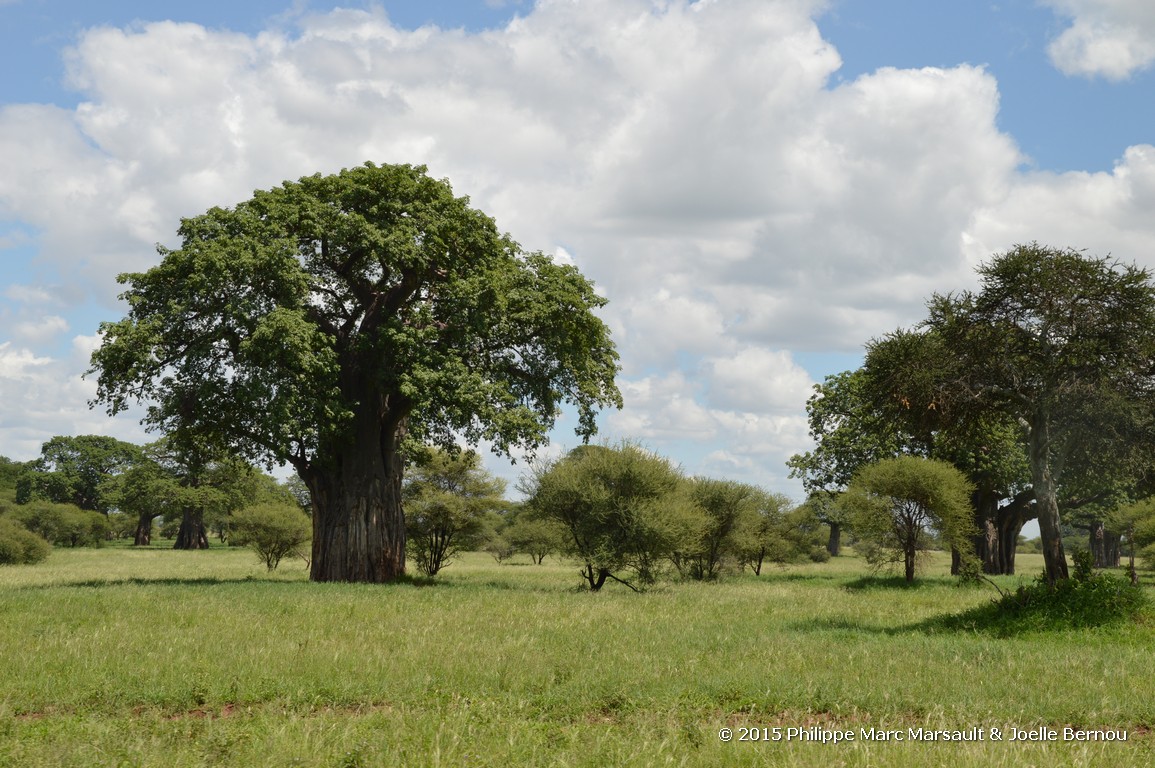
(122, 657)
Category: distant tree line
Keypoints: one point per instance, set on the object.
(1039, 388)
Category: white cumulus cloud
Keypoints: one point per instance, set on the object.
(1109, 38)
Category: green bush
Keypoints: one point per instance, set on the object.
(1087, 599)
(272, 531)
(63, 524)
(18, 545)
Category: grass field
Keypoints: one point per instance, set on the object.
(118, 657)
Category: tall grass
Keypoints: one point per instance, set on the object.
(154, 657)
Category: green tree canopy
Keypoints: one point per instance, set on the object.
(898, 504)
(446, 497)
(621, 506)
(1060, 343)
(729, 512)
(78, 470)
(272, 530)
(321, 322)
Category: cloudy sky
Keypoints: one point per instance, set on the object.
(758, 186)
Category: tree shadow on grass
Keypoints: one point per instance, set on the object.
(892, 582)
(205, 581)
(1101, 604)
(771, 577)
(847, 627)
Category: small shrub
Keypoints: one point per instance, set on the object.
(1088, 599)
(272, 531)
(121, 526)
(819, 555)
(20, 546)
(500, 548)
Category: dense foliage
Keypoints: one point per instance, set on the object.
(64, 525)
(271, 530)
(622, 509)
(898, 505)
(446, 498)
(78, 470)
(18, 545)
(322, 322)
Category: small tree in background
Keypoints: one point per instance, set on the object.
(272, 530)
(1137, 523)
(446, 500)
(728, 510)
(535, 537)
(621, 509)
(898, 505)
(781, 533)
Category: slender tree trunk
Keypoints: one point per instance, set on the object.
(908, 558)
(1046, 500)
(1096, 544)
(834, 543)
(358, 520)
(596, 577)
(1131, 555)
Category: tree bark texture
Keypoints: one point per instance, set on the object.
(143, 535)
(358, 520)
(834, 543)
(1104, 545)
(192, 533)
(1046, 500)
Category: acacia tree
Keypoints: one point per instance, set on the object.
(728, 510)
(321, 322)
(272, 530)
(446, 496)
(1062, 343)
(850, 431)
(897, 504)
(772, 532)
(622, 509)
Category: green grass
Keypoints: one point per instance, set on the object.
(153, 657)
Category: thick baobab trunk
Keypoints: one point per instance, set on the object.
(192, 533)
(992, 549)
(1010, 520)
(1046, 501)
(143, 535)
(358, 520)
(1104, 545)
(985, 542)
(834, 543)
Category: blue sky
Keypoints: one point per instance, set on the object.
(758, 186)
